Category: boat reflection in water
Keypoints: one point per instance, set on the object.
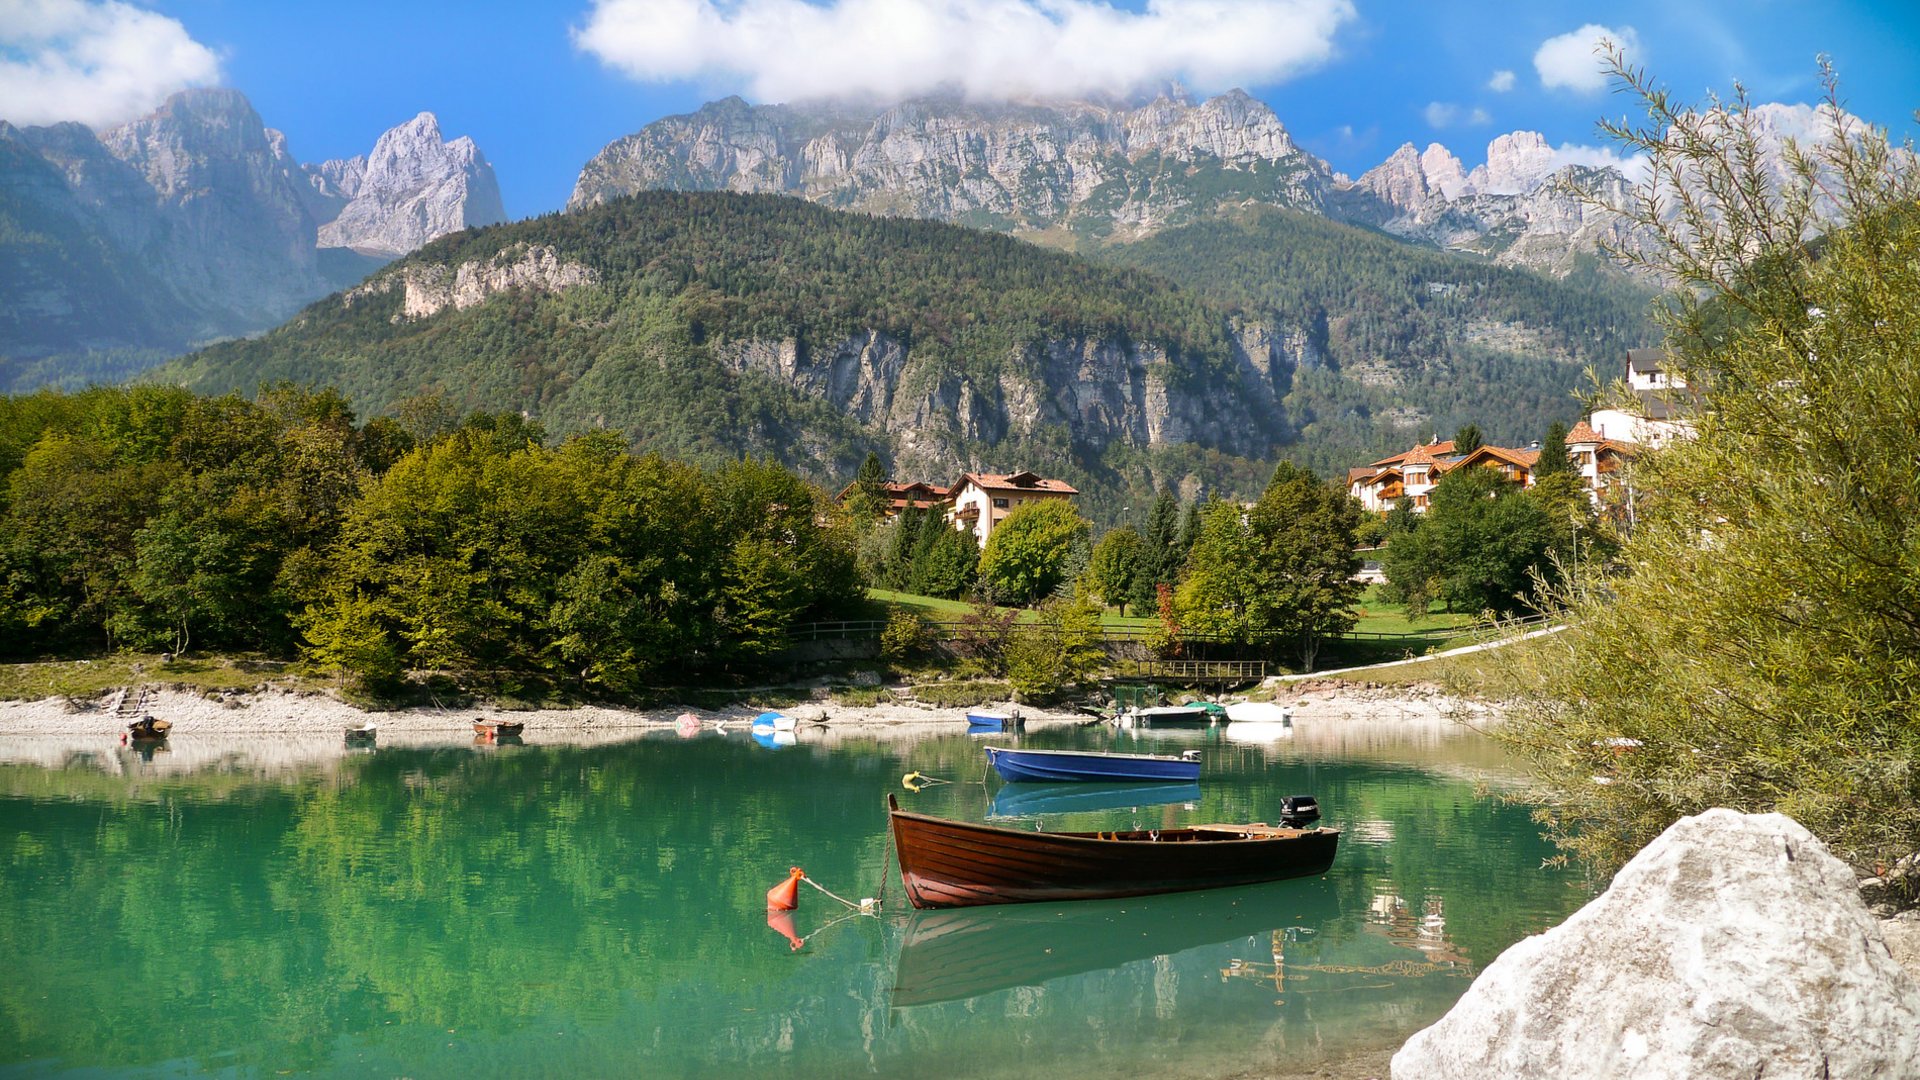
(1030, 800)
(963, 953)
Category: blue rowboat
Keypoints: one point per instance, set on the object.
(984, 721)
(1031, 800)
(1048, 766)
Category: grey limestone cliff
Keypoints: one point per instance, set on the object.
(1098, 169)
(411, 189)
(196, 222)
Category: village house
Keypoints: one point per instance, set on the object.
(1600, 445)
(919, 495)
(1414, 474)
(980, 501)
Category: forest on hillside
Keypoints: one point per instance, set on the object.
(157, 519)
(685, 280)
(1406, 329)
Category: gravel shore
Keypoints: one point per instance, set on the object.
(279, 712)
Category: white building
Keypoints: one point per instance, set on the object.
(980, 501)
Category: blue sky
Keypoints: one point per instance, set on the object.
(542, 87)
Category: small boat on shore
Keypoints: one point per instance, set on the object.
(773, 721)
(494, 729)
(1053, 766)
(147, 729)
(1193, 714)
(1259, 712)
(947, 864)
(985, 721)
(362, 735)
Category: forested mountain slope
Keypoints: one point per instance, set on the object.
(1402, 340)
(710, 325)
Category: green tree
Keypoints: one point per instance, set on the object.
(1478, 546)
(1553, 452)
(867, 500)
(1157, 562)
(1468, 439)
(1060, 646)
(951, 564)
(1026, 554)
(1115, 566)
(1283, 566)
(1762, 643)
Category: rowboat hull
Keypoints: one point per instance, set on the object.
(1066, 766)
(948, 864)
(994, 722)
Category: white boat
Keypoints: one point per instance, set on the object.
(1259, 712)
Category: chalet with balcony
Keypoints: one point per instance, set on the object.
(1414, 474)
(980, 501)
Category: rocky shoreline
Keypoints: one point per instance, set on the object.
(278, 711)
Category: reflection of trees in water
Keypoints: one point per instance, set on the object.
(385, 898)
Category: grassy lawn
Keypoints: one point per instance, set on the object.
(91, 678)
(1377, 618)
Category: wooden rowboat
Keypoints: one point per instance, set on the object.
(946, 864)
(495, 728)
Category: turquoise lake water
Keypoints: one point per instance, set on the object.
(260, 907)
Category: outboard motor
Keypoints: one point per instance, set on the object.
(1296, 809)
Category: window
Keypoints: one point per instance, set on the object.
(999, 504)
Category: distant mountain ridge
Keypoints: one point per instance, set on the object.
(1079, 173)
(196, 222)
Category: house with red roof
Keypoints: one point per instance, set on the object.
(981, 501)
(919, 495)
(1414, 473)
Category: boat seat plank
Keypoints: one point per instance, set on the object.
(1250, 832)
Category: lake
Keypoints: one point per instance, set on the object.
(257, 907)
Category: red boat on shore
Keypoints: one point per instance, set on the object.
(947, 864)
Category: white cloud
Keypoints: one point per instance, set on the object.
(783, 50)
(1479, 117)
(1440, 114)
(100, 63)
(1572, 60)
(1501, 82)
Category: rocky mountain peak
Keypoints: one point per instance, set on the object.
(1443, 171)
(411, 189)
(1516, 164)
(1400, 181)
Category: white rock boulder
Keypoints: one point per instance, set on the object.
(1734, 945)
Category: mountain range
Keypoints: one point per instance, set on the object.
(194, 223)
(707, 325)
(1085, 174)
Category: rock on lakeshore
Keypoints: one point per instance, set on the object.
(1735, 945)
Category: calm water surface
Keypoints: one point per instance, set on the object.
(268, 907)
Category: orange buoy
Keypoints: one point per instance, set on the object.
(786, 895)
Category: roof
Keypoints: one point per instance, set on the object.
(1436, 449)
(1020, 481)
(1523, 458)
(1583, 433)
(919, 493)
(1647, 361)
